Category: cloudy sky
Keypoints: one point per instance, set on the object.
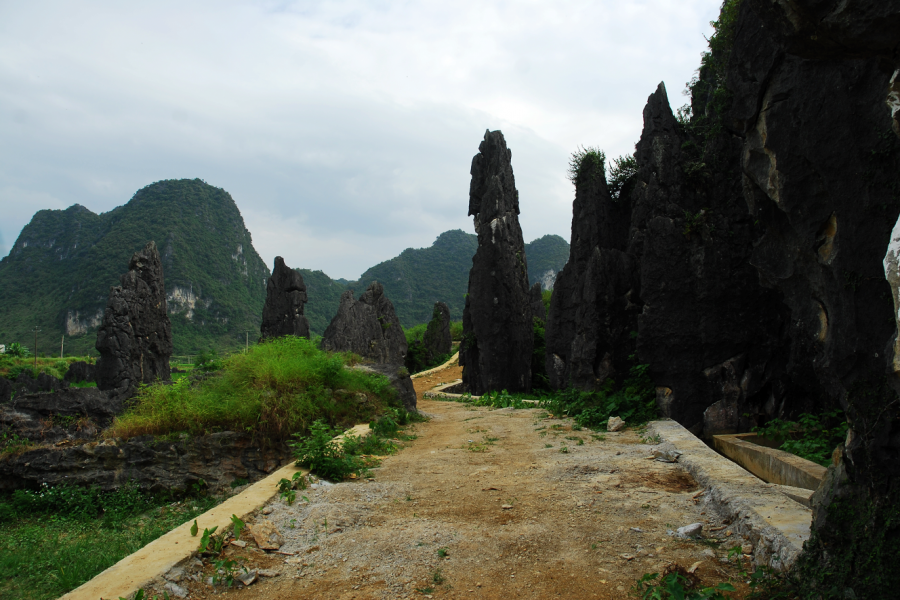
(344, 130)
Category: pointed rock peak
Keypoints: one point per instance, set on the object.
(492, 191)
(658, 121)
(285, 302)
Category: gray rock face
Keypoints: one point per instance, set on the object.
(155, 466)
(285, 300)
(5, 390)
(399, 379)
(135, 338)
(26, 384)
(80, 371)
(64, 414)
(437, 339)
(368, 327)
(497, 324)
(536, 299)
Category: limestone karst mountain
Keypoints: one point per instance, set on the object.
(58, 274)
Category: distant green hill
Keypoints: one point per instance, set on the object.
(58, 274)
(419, 277)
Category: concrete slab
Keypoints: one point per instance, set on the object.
(775, 524)
(137, 570)
(770, 464)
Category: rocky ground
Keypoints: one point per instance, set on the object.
(486, 504)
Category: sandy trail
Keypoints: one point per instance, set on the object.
(483, 504)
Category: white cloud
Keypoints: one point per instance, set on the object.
(354, 122)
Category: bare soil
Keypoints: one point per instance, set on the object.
(485, 504)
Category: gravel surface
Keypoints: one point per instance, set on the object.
(485, 504)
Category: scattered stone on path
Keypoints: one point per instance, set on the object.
(666, 455)
(248, 577)
(615, 424)
(268, 573)
(176, 590)
(285, 300)
(692, 530)
(266, 536)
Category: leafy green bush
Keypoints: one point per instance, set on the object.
(634, 401)
(277, 389)
(676, 586)
(456, 331)
(584, 162)
(17, 350)
(809, 437)
(620, 173)
(317, 452)
(208, 362)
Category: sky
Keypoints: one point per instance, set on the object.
(344, 130)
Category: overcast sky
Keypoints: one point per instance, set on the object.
(344, 130)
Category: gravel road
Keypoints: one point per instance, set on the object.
(487, 504)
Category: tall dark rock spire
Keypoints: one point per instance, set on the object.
(497, 325)
(285, 299)
(135, 337)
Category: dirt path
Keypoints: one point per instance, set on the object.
(483, 504)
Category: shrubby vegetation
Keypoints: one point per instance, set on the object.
(54, 539)
(813, 437)
(277, 389)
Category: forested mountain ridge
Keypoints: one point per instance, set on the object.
(419, 277)
(58, 274)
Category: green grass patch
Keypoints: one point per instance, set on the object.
(57, 538)
(277, 389)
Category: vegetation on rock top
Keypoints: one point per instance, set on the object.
(275, 390)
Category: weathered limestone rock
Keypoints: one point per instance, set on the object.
(285, 300)
(437, 339)
(536, 299)
(368, 327)
(135, 338)
(80, 371)
(26, 384)
(497, 324)
(5, 390)
(400, 380)
(64, 414)
(170, 466)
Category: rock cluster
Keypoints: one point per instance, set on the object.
(370, 328)
(743, 259)
(135, 337)
(285, 299)
(497, 319)
(66, 414)
(80, 372)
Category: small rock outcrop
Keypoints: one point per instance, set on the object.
(135, 337)
(5, 390)
(26, 384)
(437, 339)
(80, 372)
(62, 415)
(497, 326)
(285, 300)
(370, 328)
(170, 466)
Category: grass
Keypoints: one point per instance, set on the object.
(11, 366)
(809, 437)
(55, 539)
(274, 391)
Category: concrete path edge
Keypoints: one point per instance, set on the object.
(776, 525)
(137, 570)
